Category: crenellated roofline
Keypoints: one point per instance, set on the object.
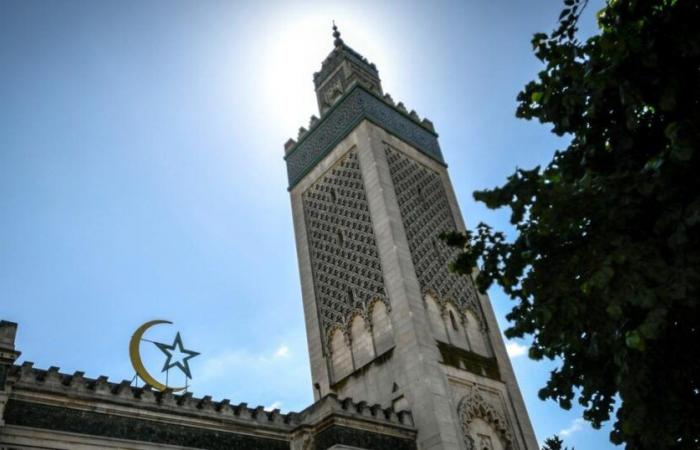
(357, 104)
(27, 383)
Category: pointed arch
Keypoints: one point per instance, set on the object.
(476, 334)
(435, 316)
(474, 406)
(382, 329)
(340, 354)
(479, 318)
(361, 340)
(455, 325)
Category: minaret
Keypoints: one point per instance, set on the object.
(386, 321)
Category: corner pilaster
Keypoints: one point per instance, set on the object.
(419, 373)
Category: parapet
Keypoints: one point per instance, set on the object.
(331, 404)
(357, 104)
(76, 385)
(55, 401)
(8, 330)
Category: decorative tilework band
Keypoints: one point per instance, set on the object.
(358, 104)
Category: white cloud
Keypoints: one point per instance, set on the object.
(282, 352)
(244, 375)
(218, 366)
(576, 425)
(274, 405)
(223, 363)
(514, 349)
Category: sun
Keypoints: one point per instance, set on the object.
(293, 54)
(293, 51)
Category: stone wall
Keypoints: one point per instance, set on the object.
(443, 330)
(50, 409)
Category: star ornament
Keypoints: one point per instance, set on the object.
(177, 355)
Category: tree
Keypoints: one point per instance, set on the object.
(604, 264)
(554, 443)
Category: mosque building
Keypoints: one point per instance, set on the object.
(404, 354)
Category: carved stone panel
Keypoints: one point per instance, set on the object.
(344, 256)
(484, 424)
(333, 89)
(426, 213)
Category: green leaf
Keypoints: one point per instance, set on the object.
(605, 252)
(614, 311)
(682, 152)
(635, 341)
(602, 277)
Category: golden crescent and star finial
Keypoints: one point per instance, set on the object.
(168, 350)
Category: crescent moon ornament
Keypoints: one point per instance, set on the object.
(135, 356)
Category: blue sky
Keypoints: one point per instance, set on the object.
(141, 171)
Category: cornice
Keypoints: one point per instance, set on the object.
(356, 105)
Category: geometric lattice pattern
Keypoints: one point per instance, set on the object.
(344, 258)
(426, 213)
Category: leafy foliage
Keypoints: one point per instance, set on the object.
(554, 443)
(605, 262)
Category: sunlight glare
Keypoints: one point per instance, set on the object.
(300, 42)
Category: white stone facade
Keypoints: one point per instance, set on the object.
(433, 346)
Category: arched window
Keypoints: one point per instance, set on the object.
(478, 339)
(341, 358)
(362, 348)
(437, 324)
(381, 327)
(453, 321)
(421, 193)
(483, 423)
(455, 330)
(436, 248)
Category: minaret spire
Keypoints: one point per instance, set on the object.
(336, 34)
(340, 70)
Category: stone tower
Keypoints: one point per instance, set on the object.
(386, 321)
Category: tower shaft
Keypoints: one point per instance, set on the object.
(386, 321)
